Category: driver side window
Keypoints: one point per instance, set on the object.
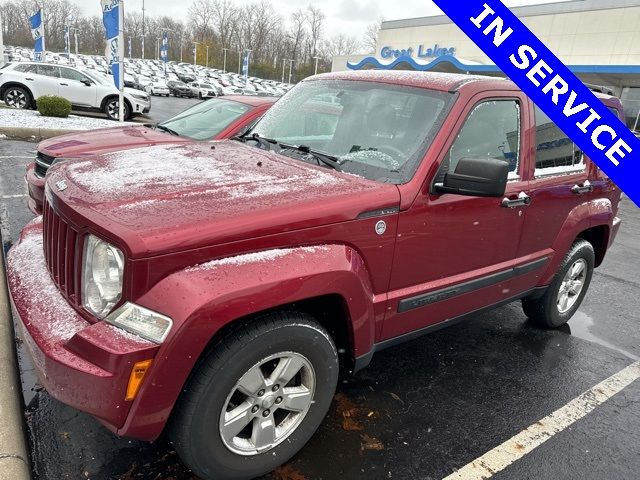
(492, 130)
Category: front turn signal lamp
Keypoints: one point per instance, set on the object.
(138, 373)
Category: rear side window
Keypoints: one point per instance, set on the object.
(49, 71)
(556, 154)
(26, 68)
(492, 130)
(72, 74)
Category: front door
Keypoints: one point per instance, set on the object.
(455, 254)
(73, 89)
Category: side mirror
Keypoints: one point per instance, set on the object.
(476, 177)
(87, 82)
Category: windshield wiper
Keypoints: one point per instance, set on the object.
(168, 130)
(262, 141)
(328, 160)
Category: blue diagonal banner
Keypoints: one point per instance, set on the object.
(552, 87)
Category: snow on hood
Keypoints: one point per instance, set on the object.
(177, 194)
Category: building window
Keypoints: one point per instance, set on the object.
(555, 152)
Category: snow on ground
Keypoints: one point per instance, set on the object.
(31, 119)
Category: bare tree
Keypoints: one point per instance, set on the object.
(340, 45)
(370, 39)
(315, 19)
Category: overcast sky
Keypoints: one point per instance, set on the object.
(343, 16)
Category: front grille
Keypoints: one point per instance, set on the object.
(43, 163)
(61, 247)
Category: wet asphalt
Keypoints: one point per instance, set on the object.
(420, 410)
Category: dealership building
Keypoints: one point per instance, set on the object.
(599, 40)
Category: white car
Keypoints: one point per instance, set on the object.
(23, 83)
(203, 90)
(158, 88)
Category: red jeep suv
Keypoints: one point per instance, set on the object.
(216, 119)
(217, 290)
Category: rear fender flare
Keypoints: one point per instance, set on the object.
(203, 299)
(583, 217)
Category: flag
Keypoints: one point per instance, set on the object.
(245, 66)
(164, 49)
(66, 40)
(37, 32)
(111, 20)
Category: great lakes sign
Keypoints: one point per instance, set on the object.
(421, 52)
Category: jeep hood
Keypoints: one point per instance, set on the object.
(171, 198)
(106, 140)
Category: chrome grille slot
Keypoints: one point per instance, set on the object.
(60, 247)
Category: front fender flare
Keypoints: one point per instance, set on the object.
(203, 299)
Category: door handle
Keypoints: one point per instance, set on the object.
(523, 200)
(64, 84)
(29, 79)
(586, 187)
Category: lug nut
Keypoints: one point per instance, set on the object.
(266, 413)
(255, 409)
(275, 388)
(261, 393)
(279, 400)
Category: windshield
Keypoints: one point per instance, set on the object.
(206, 120)
(375, 130)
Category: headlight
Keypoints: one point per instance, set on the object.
(140, 97)
(146, 323)
(102, 274)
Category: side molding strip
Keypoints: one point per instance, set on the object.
(425, 299)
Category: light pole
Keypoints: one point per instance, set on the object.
(181, 43)
(1, 41)
(142, 37)
(224, 62)
(284, 61)
(195, 52)
(316, 70)
(239, 61)
(158, 48)
(207, 56)
(290, 69)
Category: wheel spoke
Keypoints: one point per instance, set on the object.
(576, 287)
(287, 368)
(236, 420)
(251, 382)
(564, 301)
(577, 270)
(264, 433)
(296, 399)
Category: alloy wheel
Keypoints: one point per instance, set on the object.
(16, 98)
(572, 285)
(267, 404)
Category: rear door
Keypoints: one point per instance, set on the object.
(455, 254)
(559, 184)
(47, 80)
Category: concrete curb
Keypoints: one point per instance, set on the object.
(33, 134)
(14, 459)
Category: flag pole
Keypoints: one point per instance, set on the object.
(121, 59)
(44, 33)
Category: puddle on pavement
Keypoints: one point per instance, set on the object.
(580, 326)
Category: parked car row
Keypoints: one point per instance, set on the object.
(142, 74)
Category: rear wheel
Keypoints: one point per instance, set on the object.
(17, 97)
(256, 398)
(569, 287)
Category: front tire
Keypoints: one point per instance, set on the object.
(567, 290)
(17, 97)
(112, 109)
(256, 398)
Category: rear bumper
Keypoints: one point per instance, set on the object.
(35, 189)
(84, 365)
